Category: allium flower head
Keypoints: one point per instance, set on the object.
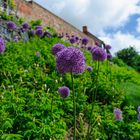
(70, 60)
(84, 41)
(89, 48)
(76, 38)
(64, 91)
(72, 40)
(98, 54)
(25, 26)
(89, 68)
(38, 27)
(139, 109)
(108, 47)
(109, 56)
(57, 48)
(2, 45)
(118, 114)
(39, 32)
(11, 25)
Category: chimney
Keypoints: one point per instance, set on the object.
(85, 30)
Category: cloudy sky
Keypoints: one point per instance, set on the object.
(116, 22)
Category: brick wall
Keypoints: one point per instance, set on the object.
(33, 11)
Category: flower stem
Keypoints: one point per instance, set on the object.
(93, 103)
(74, 107)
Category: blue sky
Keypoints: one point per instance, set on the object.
(116, 22)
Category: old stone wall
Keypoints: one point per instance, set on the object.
(33, 11)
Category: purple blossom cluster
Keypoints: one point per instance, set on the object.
(139, 113)
(25, 26)
(118, 114)
(11, 25)
(57, 48)
(70, 60)
(98, 54)
(2, 45)
(64, 91)
(89, 68)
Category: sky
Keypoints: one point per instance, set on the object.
(116, 22)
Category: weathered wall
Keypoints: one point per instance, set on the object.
(33, 11)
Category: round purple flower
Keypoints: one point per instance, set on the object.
(11, 25)
(84, 41)
(38, 27)
(118, 114)
(109, 56)
(39, 32)
(64, 91)
(25, 26)
(70, 60)
(72, 40)
(57, 48)
(139, 109)
(98, 54)
(139, 117)
(2, 45)
(97, 43)
(89, 48)
(89, 68)
(108, 47)
(76, 38)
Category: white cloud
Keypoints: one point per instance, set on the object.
(138, 25)
(121, 40)
(96, 14)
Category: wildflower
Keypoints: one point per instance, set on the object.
(38, 27)
(84, 41)
(89, 48)
(2, 45)
(109, 56)
(70, 60)
(39, 32)
(98, 54)
(57, 48)
(108, 47)
(64, 91)
(118, 114)
(72, 40)
(89, 68)
(139, 109)
(25, 26)
(11, 25)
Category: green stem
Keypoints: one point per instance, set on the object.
(93, 102)
(74, 107)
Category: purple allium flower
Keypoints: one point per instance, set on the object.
(11, 25)
(139, 117)
(25, 26)
(38, 27)
(2, 45)
(39, 32)
(38, 54)
(89, 68)
(64, 91)
(70, 60)
(97, 43)
(89, 48)
(118, 114)
(98, 54)
(57, 48)
(72, 40)
(84, 41)
(108, 47)
(109, 56)
(76, 38)
(139, 109)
